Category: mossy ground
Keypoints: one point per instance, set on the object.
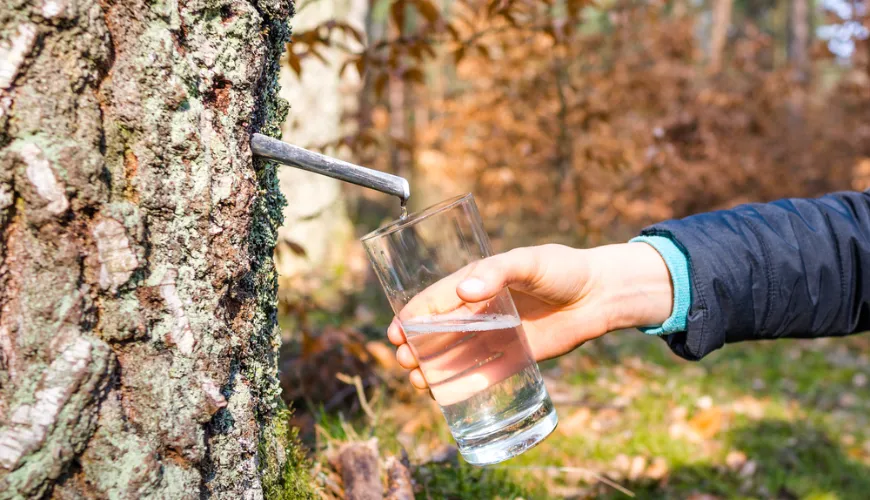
(785, 419)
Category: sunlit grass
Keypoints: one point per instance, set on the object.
(764, 420)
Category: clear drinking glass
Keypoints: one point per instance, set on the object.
(475, 357)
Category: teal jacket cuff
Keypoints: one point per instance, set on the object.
(678, 266)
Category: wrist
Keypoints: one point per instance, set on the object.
(633, 285)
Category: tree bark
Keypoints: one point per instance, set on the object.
(137, 290)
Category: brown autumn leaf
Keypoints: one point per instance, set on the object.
(576, 423)
(381, 84)
(658, 469)
(573, 7)
(294, 63)
(749, 406)
(316, 53)
(735, 460)
(481, 48)
(421, 420)
(357, 350)
(397, 14)
(429, 50)
(636, 468)
(350, 30)
(294, 247)
(414, 75)
(384, 355)
(428, 10)
(454, 33)
(416, 51)
(306, 37)
(509, 17)
(861, 174)
(459, 54)
(312, 345)
(707, 423)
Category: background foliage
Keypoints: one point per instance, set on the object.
(579, 123)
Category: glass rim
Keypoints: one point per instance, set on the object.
(415, 217)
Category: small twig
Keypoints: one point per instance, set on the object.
(597, 476)
(360, 392)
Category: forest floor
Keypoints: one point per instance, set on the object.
(784, 420)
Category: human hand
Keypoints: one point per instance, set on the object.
(564, 296)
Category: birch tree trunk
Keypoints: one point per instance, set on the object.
(137, 290)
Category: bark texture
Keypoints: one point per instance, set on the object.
(137, 290)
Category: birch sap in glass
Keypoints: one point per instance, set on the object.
(475, 357)
(481, 373)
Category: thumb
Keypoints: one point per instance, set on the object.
(518, 269)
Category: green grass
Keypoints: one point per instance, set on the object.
(797, 411)
(463, 481)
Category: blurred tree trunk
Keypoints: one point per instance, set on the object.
(779, 26)
(800, 22)
(400, 99)
(317, 221)
(799, 62)
(397, 101)
(867, 41)
(719, 32)
(137, 292)
(374, 30)
(566, 186)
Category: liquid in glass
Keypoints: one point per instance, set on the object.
(488, 386)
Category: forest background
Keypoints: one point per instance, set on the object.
(577, 123)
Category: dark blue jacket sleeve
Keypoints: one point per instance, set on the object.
(791, 268)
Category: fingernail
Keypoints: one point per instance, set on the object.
(472, 286)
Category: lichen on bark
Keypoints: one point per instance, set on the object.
(137, 290)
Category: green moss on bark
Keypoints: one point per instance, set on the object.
(284, 467)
